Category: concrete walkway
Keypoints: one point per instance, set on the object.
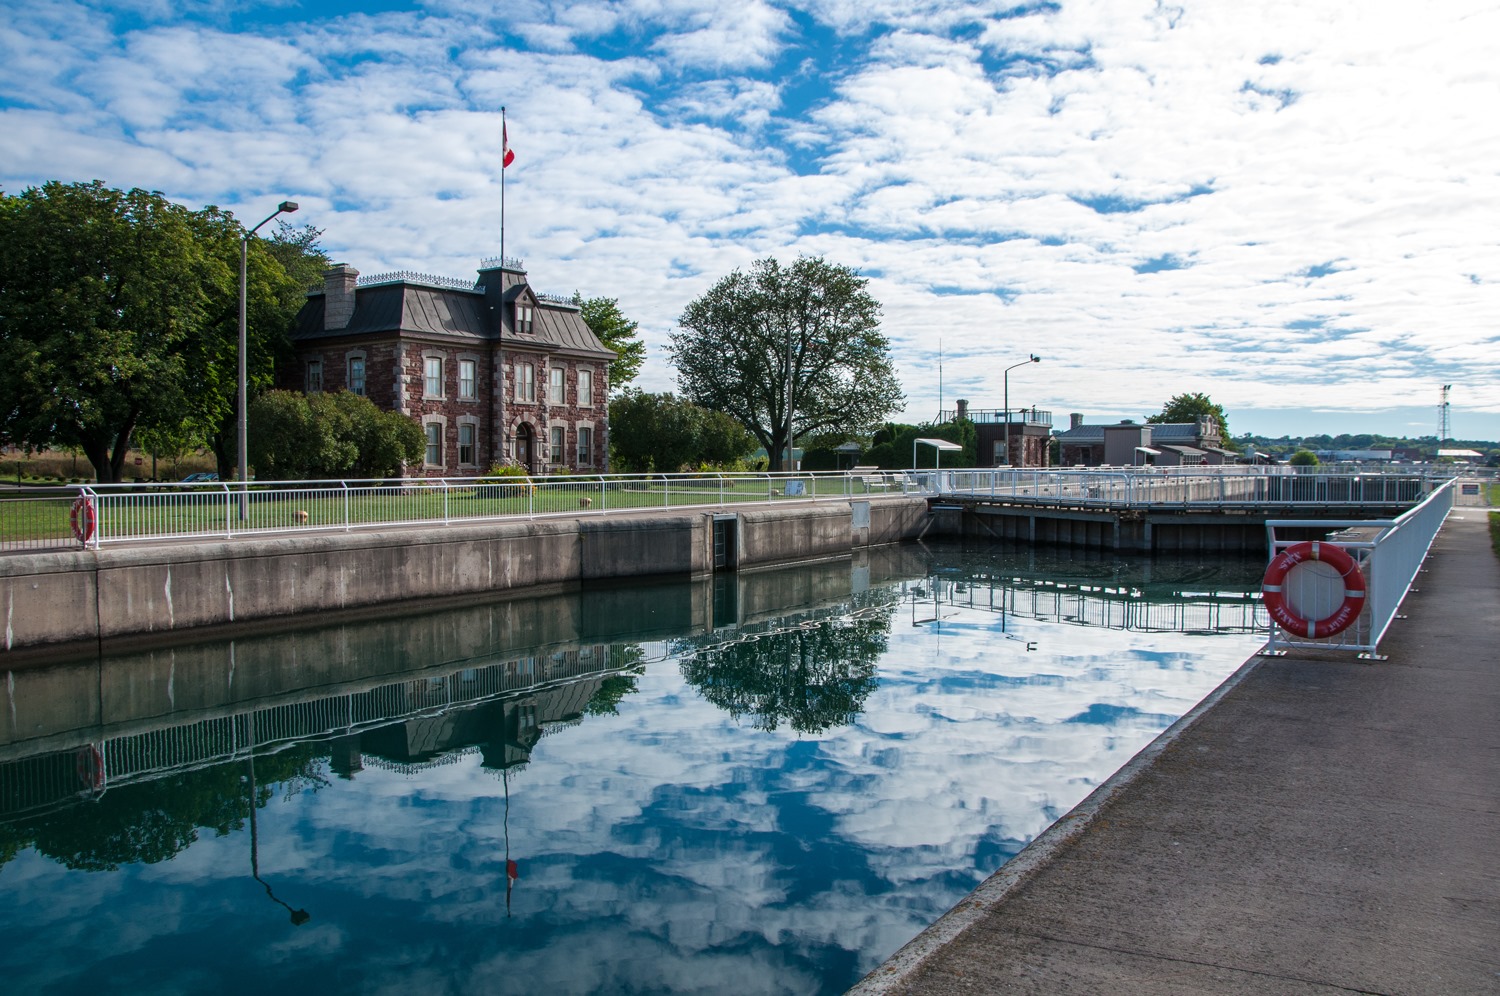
(1319, 825)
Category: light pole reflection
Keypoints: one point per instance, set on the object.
(299, 917)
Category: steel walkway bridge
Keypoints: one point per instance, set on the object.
(1147, 510)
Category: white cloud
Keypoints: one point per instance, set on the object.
(948, 151)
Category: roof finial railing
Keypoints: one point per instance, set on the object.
(413, 277)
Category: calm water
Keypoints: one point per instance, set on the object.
(760, 785)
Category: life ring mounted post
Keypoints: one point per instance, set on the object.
(83, 517)
(1274, 594)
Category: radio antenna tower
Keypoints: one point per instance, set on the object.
(940, 380)
(1445, 429)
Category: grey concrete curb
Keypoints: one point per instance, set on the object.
(894, 972)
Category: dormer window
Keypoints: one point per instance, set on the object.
(523, 317)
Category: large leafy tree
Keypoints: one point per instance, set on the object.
(605, 320)
(663, 433)
(296, 436)
(803, 338)
(1187, 408)
(119, 312)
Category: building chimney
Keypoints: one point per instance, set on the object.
(1075, 420)
(963, 408)
(338, 296)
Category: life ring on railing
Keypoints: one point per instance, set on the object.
(1335, 556)
(90, 766)
(81, 518)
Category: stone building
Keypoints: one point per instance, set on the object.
(493, 371)
(1027, 431)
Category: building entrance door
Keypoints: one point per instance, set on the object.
(524, 456)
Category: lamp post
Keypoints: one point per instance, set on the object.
(1031, 358)
(285, 207)
(790, 460)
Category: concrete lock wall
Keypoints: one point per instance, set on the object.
(315, 657)
(57, 599)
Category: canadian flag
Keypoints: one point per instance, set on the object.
(507, 155)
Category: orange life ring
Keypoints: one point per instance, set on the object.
(81, 518)
(1271, 587)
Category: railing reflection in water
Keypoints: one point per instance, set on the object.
(39, 782)
(1104, 606)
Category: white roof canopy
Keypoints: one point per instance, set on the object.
(938, 444)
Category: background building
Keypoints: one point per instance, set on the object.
(1132, 444)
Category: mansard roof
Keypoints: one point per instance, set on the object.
(444, 308)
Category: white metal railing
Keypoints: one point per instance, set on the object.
(42, 518)
(122, 513)
(1388, 552)
(1182, 487)
(36, 518)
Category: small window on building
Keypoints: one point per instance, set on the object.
(432, 385)
(466, 379)
(525, 382)
(585, 388)
(356, 375)
(314, 376)
(557, 457)
(523, 317)
(585, 447)
(466, 444)
(434, 455)
(557, 387)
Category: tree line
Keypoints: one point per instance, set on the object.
(119, 328)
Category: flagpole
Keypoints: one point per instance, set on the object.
(500, 337)
(503, 142)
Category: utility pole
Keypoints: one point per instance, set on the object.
(1445, 429)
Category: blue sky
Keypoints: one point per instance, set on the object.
(1288, 206)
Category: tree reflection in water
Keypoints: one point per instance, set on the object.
(152, 821)
(812, 676)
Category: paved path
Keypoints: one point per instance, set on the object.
(1320, 825)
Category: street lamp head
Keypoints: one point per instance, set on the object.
(1035, 358)
(287, 207)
